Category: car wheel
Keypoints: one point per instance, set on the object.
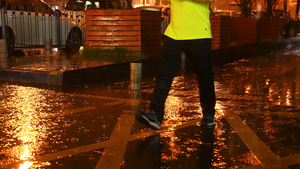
(10, 40)
(74, 40)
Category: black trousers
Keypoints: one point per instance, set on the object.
(199, 52)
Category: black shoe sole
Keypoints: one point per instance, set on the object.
(141, 118)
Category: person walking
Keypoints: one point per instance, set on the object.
(189, 31)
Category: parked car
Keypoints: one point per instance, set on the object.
(165, 10)
(277, 13)
(230, 13)
(258, 15)
(75, 5)
(30, 22)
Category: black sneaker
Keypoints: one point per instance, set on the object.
(149, 118)
(208, 121)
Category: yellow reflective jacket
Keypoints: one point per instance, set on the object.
(189, 20)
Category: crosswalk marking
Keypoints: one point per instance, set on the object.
(115, 147)
(113, 154)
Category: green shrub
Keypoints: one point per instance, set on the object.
(113, 55)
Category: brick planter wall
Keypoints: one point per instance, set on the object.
(220, 27)
(272, 29)
(122, 28)
(245, 31)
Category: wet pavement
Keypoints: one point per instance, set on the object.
(59, 68)
(93, 125)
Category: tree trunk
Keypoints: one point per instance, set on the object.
(269, 9)
(284, 9)
(124, 4)
(297, 10)
(245, 7)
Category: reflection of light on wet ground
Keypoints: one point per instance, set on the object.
(183, 105)
(248, 89)
(54, 64)
(243, 84)
(172, 115)
(176, 105)
(25, 125)
(220, 145)
(288, 97)
(172, 145)
(26, 165)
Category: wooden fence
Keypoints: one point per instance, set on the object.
(245, 31)
(220, 29)
(140, 30)
(135, 30)
(272, 29)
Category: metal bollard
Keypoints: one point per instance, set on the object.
(48, 46)
(58, 27)
(135, 79)
(3, 53)
(3, 23)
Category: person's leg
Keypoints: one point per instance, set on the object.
(170, 62)
(200, 53)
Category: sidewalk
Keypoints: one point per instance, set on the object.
(93, 126)
(61, 69)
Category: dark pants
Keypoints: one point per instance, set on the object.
(200, 54)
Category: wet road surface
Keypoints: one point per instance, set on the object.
(93, 126)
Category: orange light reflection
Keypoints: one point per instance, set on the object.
(179, 101)
(25, 125)
(288, 97)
